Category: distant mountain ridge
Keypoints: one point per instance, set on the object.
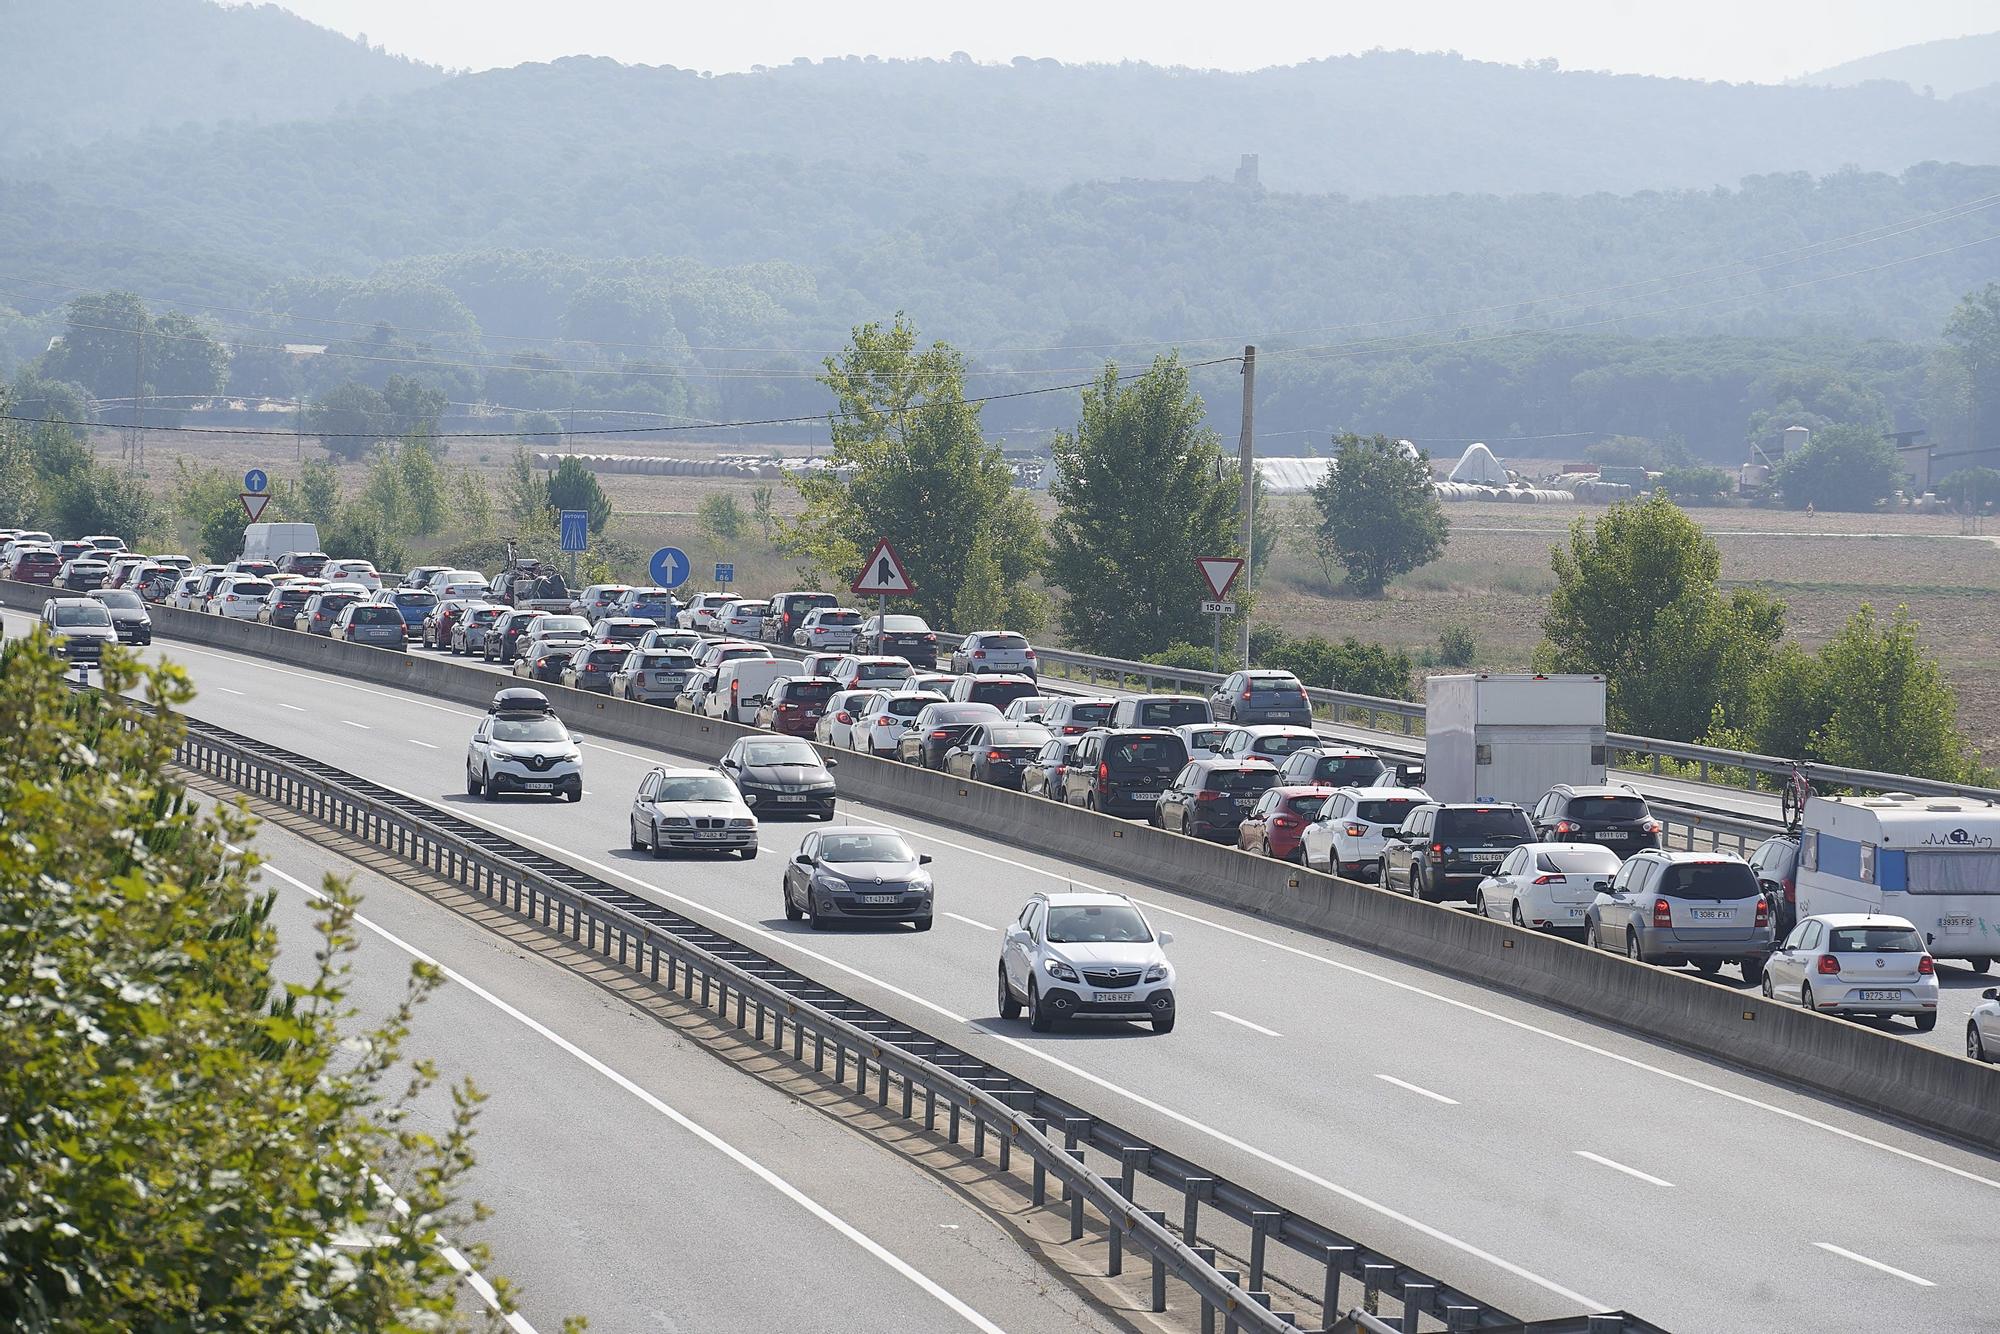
(1948, 67)
(74, 71)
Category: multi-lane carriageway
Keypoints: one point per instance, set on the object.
(1547, 1162)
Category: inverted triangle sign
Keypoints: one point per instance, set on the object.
(1220, 572)
(883, 572)
(254, 503)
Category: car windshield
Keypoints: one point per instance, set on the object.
(904, 625)
(1170, 712)
(1708, 880)
(121, 599)
(528, 729)
(780, 752)
(1875, 940)
(1105, 922)
(695, 787)
(1578, 861)
(562, 625)
(1607, 808)
(1150, 750)
(874, 847)
(71, 617)
(1018, 736)
(1387, 810)
(1482, 823)
(1238, 780)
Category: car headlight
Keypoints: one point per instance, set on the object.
(676, 822)
(742, 824)
(830, 879)
(1060, 970)
(1159, 972)
(574, 756)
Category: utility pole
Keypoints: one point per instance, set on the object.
(138, 386)
(1246, 463)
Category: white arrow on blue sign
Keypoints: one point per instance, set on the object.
(670, 567)
(255, 480)
(575, 530)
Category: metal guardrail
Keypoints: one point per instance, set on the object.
(644, 939)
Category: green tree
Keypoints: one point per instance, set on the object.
(100, 347)
(360, 534)
(1841, 468)
(349, 419)
(910, 463)
(764, 507)
(543, 428)
(188, 1141)
(1378, 513)
(1970, 487)
(719, 517)
(183, 359)
(574, 487)
(1974, 333)
(414, 407)
(98, 499)
(1142, 492)
(318, 492)
(472, 504)
(1639, 598)
(524, 493)
(51, 400)
(425, 502)
(1888, 705)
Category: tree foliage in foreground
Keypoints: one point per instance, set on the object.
(184, 1143)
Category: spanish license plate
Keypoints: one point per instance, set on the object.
(793, 799)
(711, 838)
(1955, 923)
(1576, 912)
(881, 898)
(1482, 858)
(1881, 995)
(1713, 914)
(1115, 995)
(537, 787)
(1145, 796)
(1613, 833)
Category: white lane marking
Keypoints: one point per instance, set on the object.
(1903, 1274)
(363, 726)
(1418, 1088)
(968, 921)
(1578, 1044)
(425, 744)
(1262, 1155)
(227, 691)
(293, 707)
(701, 1132)
(453, 1256)
(1254, 1028)
(1602, 1161)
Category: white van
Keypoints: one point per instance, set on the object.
(740, 684)
(1934, 861)
(268, 541)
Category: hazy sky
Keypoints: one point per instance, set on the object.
(1739, 40)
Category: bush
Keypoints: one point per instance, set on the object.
(1350, 665)
(1697, 486)
(1970, 486)
(1456, 647)
(720, 517)
(1187, 657)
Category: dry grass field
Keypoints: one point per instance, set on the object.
(1494, 577)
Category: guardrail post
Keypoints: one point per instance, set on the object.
(930, 1110)
(1075, 1201)
(1262, 1224)
(1195, 1189)
(1130, 1163)
(1159, 1266)
(1337, 1260)
(1006, 1147)
(1073, 1130)
(839, 1062)
(952, 1132)
(1375, 1280)
(1205, 1254)
(1041, 1127)
(1235, 1277)
(881, 1083)
(1416, 1299)
(1458, 1317)
(978, 1135)
(909, 1096)
(861, 1075)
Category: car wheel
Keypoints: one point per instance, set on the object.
(472, 783)
(1979, 965)
(457, 647)
(1752, 970)
(1633, 949)
(1975, 1046)
(1764, 984)
(749, 854)
(1037, 1020)
(632, 833)
(1011, 1008)
(793, 912)
(924, 924)
(1418, 889)
(486, 786)
(1926, 1021)
(1708, 967)
(1806, 996)
(819, 923)
(1517, 918)
(1164, 1023)
(659, 849)
(1090, 802)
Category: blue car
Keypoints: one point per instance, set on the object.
(413, 604)
(653, 604)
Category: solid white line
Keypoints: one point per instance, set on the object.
(1620, 1167)
(701, 1132)
(425, 744)
(1254, 1028)
(227, 691)
(1418, 1088)
(1905, 1275)
(293, 707)
(363, 726)
(968, 921)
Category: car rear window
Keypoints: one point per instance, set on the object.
(1018, 736)
(415, 598)
(557, 625)
(1388, 810)
(1282, 745)
(1607, 808)
(1308, 805)
(1284, 681)
(1091, 713)
(1578, 861)
(664, 660)
(375, 615)
(1876, 940)
(632, 632)
(808, 692)
(906, 706)
(251, 588)
(884, 671)
(1208, 738)
(905, 625)
(964, 713)
(839, 618)
(607, 658)
(1239, 780)
(1171, 712)
(1001, 692)
(1003, 641)
(1152, 751)
(1484, 822)
(1349, 770)
(1708, 880)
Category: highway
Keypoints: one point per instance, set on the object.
(637, 1180)
(1545, 1161)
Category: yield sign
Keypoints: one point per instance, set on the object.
(1220, 572)
(254, 503)
(883, 572)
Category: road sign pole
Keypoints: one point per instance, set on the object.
(1218, 646)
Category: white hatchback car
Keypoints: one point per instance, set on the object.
(1856, 964)
(352, 572)
(1204, 740)
(1982, 1029)
(884, 719)
(1269, 742)
(1085, 956)
(1547, 886)
(843, 712)
(1346, 839)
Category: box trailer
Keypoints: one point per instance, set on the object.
(1492, 736)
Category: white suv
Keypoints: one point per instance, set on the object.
(1346, 839)
(521, 746)
(1085, 956)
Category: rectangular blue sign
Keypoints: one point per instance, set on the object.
(575, 530)
(725, 573)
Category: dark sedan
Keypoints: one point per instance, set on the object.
(503, 638)
(997, 753)
(1044, 775)
(780, 776)
(128, 614)
(851, 872)
(937, 729)
(593, 666)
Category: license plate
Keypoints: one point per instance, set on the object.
(1576, 912)
(712, 838)
(1881, 995)
(537, 787)
(791, 798)
(1116, 995)
(1610, 834)
(1713, 914)
(1483, 858)
(1145, 796)
(881, 898)
(1955, 923)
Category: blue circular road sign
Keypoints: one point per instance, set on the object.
(255, 480)
(670, 567)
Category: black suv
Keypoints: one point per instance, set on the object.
(1613, 816)
(1123, 771)
(788, 611)
(1210, 798)
(1444, 851)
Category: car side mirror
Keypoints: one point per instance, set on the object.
(1166, 938)
(923, 859)
(1991, 993)
(1602, 886)
(802, 860)
(831, 762)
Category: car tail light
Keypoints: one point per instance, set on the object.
(1548, 880)
(1566, 827)
(1031, 653)
(1285, 821)
(992, 755)
(1828, 965)
(1356, 830)
(939, 736)
(1208, 794)
(1246, 694)
(1652, 826)
(979, 653)
(1103, 777)
(930, 639)
(842, 717)
(1663, 913)
(1763, 912)
(1927, 965)
(1437, 849)
(1791, 894)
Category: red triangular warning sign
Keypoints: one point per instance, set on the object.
(883, 572)
(254, 503)
(1219, 571)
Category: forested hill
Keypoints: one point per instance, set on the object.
(72, 71)
(1947, 67)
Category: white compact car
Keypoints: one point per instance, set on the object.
(521, 746)
(700, 612)
(1855, 964)
(351, 572)
(1547, 886)
(240, 597)
(843, 713)
(885, 718)
(1346, 839)
(691, 810)
(1204, 740)
(1085, 956)
(1982, 1030)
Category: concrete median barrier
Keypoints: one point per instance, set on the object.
(1884, 1074)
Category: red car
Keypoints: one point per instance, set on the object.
(36, 566)
(1277, 823)
(795, 704)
